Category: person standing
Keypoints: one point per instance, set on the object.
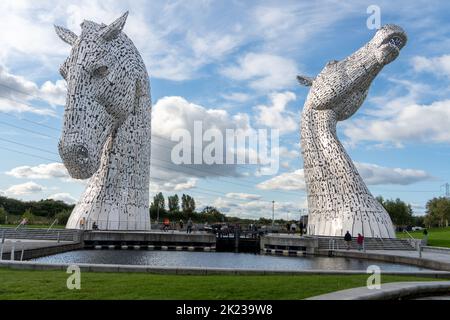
(348, 239)
(424, 241)
(360, 241)
(82, 223)
(189, 226)
(181, 224)
(301, 227)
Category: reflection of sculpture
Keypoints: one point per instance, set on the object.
(338, 199)
(106, 133)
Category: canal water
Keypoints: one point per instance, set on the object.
(183, 259)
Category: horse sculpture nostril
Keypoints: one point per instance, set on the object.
(76, 155)
(82, 153)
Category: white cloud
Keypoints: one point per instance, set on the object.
(436, 65)
(54, 93)
(42, 171)
(375, 175)
(264, 71)
(286, 181)
(372, 174)
(255, 209)
(243, 196)
(410, 123)
(17, 94)
(65, 197)
(176, 113)
(24, 189)
(276, 116)
(179, 183)
(237, 97)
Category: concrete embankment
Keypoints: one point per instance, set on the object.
(429, 260)
(390, 291)
(30, 265)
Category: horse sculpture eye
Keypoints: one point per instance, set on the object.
(101, 72)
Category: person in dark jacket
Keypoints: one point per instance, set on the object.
(348, 239)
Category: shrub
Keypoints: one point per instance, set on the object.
(3, 215)
(63, 217)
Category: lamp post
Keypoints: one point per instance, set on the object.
(273, 214)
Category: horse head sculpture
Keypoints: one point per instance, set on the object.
(106, 130)
(338, 199)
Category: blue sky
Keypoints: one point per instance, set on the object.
(238, 57)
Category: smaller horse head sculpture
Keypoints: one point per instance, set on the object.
(104, 75)
(106, 132)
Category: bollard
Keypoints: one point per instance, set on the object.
(58, 236)
(1, 252)
(23, 249)
(420, 250)
(12, 251)
(3, 236)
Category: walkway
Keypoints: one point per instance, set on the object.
(390, 291)
(432, 260)
(29, 244)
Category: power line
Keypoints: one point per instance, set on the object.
(27, 146)
(31, 121)
(28, 130)
(27, 154)
(206, 172)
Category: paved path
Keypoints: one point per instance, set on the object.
(390, 291)
(29, 244)
(441, 257)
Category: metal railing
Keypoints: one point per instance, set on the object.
(13, 249)
(53, 223)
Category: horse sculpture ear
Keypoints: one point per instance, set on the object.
(66, 35)
(305, 81)
(112, 31)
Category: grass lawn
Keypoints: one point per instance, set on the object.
(18, 284)
(439, 237)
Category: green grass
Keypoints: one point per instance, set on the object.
(50, 285)
(438, 237)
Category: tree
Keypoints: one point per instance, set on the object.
(437, 212)
(173, 203)
(3, 215)
(187, 204)
(211, 214)
(29, 216)
(158, 206)
(399, 211)
(63, 217)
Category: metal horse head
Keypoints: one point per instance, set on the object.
(104, 75)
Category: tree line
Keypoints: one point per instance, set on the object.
(437, 213)
(177, 208)
(183, 208)
(39, 212)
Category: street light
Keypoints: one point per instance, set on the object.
(273, 214)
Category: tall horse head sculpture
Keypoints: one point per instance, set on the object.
(107, 127)
(338, 199)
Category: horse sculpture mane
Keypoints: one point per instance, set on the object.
(338, 199)
(106, 132)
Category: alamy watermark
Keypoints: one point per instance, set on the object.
(234, 147)
(374, 280)
(374, 20)
(74, 280)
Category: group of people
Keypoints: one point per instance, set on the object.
(292, 227)
(359, 240)
(189, 225)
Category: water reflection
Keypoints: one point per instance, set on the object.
(217, 260)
